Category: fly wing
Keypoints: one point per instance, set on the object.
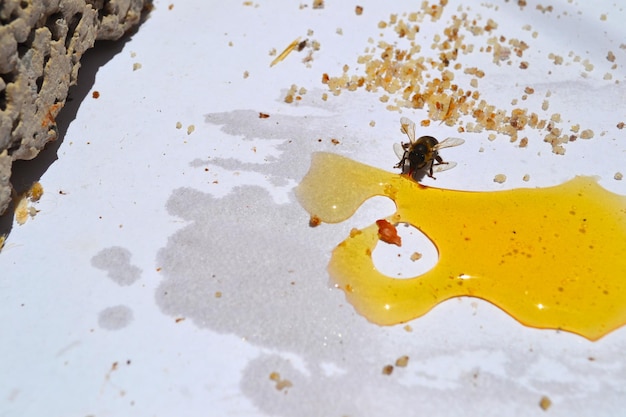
(399, 150)
(408, 127)
(449, 143)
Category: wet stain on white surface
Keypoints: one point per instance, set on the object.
(115, 318)
(116, 262)
(248, 266)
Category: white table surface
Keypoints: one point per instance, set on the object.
(108, 295)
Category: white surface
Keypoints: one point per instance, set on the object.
(143, 228)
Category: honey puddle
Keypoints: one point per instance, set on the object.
(552, 258)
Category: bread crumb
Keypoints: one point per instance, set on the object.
(620, 125)
(136, 66)
(610, 56)
(500, 178)
(618, 176)
(586, 134)
(526, 177)
(407, 328)
(179, 125)
(263, 115)
(281, 384)
(388, 233)
(358, 10)
(35, 192)
(190, 129)
(545, 403)
(318, 4)
(218, 294)
(545, 105)
(416, 256)
(246, 74)
(402, 361)
(372, 123)
(387, 369)
(314, 221)
(95, 94)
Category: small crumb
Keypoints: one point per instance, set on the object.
(526, 178)
(95, 94)
(179, 319)
(545, 105)
(523, 65)
(545, 403)
(218, 294)
(620, 125)
(372, 123)
(529, 90)
(618, 176)
(263, 115)
(190, 129)
(315, 221)
(387, 369)
(610, 56)
(136, 66)
(339, 31)
(586, 134)
(603, 17)
(402, 361)
(588, 65)
(500, 178)
(35, 192)
(416, 256)
(425, 123)
(407, 328)
(280, 383)
(246, 74)
(170, 7)
(388, 233)
(179, 125)
(324, 96)
(358, 10)
(334, 141)
(318, 4)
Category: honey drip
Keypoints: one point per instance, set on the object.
(552, 258)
